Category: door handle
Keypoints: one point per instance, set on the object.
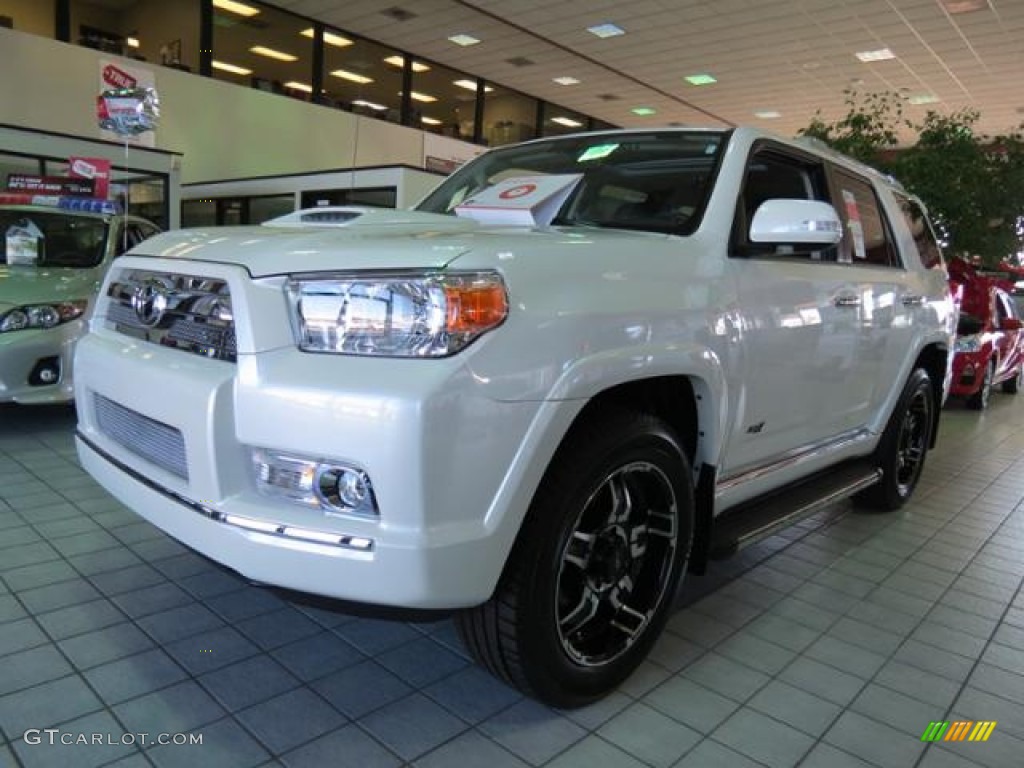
(848, 300)
(911, 300)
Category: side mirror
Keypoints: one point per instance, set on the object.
(796, 222)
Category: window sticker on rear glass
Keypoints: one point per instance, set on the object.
(855, 226)
(24, 243)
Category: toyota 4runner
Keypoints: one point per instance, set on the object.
(576, 370)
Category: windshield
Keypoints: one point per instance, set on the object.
(652, 181)
(51, 239)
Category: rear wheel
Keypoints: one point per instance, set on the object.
(901, 452)
(589, 584)
(979, 400)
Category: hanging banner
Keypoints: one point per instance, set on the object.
(120, 76)
(95, 168)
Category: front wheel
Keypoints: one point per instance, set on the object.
(1014, 385)
(901, 451)
(589, 584)
(979, 400)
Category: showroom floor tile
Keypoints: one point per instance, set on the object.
(833, 643)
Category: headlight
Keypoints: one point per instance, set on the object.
(408, 315)
(41, 315)
(967, 344)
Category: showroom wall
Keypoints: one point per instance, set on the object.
(221, 130)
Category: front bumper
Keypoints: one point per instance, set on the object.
(968, 373)
(23, 352)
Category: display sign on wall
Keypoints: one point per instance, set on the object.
(49, 185)
(95, 168)
(121, 76)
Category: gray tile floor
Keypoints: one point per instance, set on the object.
(833, 644)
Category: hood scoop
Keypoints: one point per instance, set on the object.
(361, 216)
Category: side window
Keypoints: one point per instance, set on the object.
(1003, 309)
(865, 235)
(924, 236)
(770, 175)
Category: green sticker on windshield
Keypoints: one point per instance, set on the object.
(596, 153)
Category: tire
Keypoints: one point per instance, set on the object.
(979, 400)
(591, 579)
(1014, 385)
(904, 445)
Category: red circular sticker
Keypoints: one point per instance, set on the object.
(514, 192)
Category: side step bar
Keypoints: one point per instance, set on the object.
(753, 521)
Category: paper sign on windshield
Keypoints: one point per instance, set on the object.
(24, 244)
(525, 201)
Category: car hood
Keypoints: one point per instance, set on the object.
(373, 238)
(20, 285)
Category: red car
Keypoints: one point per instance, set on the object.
(989, 343)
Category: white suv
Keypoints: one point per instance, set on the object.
(580, 366)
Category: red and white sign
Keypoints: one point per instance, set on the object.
(95, 168)
(31, 184)
(114, 77)
(531, 201)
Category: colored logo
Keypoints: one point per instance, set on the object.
(959, 730)
(520, 191)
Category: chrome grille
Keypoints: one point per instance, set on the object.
(192, 314)
(158, 443)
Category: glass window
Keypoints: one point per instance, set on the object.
(32, 16)
(559, 121)
(508, 117)
(444, 100)
(16, 164)
(269, 49)
(198, 213)
(65, 240)
(362, 77)
(381, 197)
(148, 30)
(864, 231)
(268, 207)
(924, 236)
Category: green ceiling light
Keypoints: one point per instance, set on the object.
(643, 111)
(701, 79)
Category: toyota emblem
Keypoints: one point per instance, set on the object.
(150, 301)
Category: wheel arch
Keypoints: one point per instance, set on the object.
(935, 360)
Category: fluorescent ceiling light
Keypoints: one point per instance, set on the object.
(430, 120)
(464, 40)
(642, 111)
(344, 74)
(270, 53)
(701, 79)
(329, 37)
(232, 7)
(767, 114)
(606, 30)
(297, 86)
(234, 69)
(399, 61)
(566, 80)
(368, 105)
(882, 54)
(923, 98)
(567, 121)
(132, 42)
(470, 85)
(426, 98)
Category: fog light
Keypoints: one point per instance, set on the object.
(45, 372)
(333, 487)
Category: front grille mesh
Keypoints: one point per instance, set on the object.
(155, 442)
(195, 313)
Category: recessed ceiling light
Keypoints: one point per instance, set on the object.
(568, 122)
(881, 54)
(330, 38)
(566, 80)
(430, 120)
(643, 111)
(297, 86)
(470, 85)
(132, 42)
(767, 114)
(606, 30)
(398, 61)
(270, 53)
(923, 98)
(368, 104)
(464, 40)
(234, 69)
(426, 98)
(964, 6)
(344, 74)
(232, 7)
(701, 79)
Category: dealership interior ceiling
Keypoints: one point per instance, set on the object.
(774, 63)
